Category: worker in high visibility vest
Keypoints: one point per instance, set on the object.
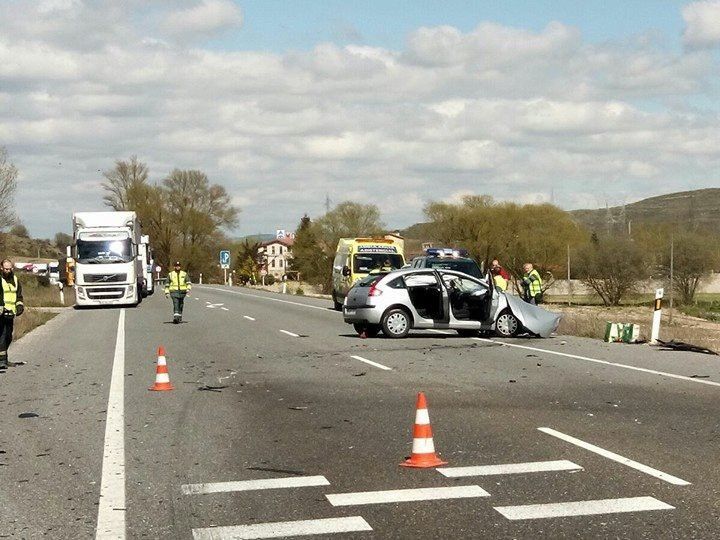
(12, 302)
(532, 285)
(177, 287)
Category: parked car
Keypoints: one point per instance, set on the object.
(447, 259)
(399, 301)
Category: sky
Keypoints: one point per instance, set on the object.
(395, 103)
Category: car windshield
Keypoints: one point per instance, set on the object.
(466, 266)
(104, 251)
(367, 262)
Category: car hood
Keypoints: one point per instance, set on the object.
(535, 319)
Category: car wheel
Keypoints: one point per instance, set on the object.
(507, 324)
(396, 323)
(336, 305)
(468, 333)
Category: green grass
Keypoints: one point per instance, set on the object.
(36, 294)
(703, 308)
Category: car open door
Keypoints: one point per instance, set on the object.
(487, 308)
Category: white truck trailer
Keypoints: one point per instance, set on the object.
(108, 266)
(148, 265)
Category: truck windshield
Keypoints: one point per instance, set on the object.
(367, 262)
(104, 251)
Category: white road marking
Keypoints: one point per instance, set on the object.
(213, 306)
(248, 318)
(224, 309)
(616, 457)
(284, 529)
(509, 468)
(406, 495)
(270, 299)
(437, 331)
(371, 363)
(582, 508)
(290, 333)
(605, 362)
(252, 485)
(111, 508)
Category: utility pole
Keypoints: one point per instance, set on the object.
(568, 277)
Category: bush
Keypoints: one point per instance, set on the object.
(299, 291)
(270, 279)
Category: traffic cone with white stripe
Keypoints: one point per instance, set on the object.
(162, 377)
(423, 448)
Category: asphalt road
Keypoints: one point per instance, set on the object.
(283, 421)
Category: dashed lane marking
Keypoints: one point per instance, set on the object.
(284, 529)
(248, 318)
(252, 485)
(406, 495)
(224, 309)
(605, 362)
(509, 468)
(270, 299)
(582, 508)
(111, 508)
(375, 364)
(616, 457)
(292, 334)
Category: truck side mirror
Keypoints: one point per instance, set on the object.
(346, 271)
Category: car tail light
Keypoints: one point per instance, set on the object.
(373, 291)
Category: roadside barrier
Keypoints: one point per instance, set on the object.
(423, 448)
(162, 376)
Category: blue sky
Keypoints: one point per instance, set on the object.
(279, 25)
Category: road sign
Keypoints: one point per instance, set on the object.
(224, 259)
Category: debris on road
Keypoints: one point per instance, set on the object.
(297, 408)
(28, 415)
(699, 376)
(673, 345)
(208, 388)
(359, 374)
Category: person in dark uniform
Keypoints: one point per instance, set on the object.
(12, 302)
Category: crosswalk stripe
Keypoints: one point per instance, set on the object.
(509, 468)
(251, 485)
(406, 495)
(284, 529)
(582, 508)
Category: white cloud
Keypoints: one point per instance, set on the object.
(702, 23)
(204, 18)
(505, 111)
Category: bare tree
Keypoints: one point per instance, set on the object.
(8, 186)
(126, 184)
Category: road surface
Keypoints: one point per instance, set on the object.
(283, 422)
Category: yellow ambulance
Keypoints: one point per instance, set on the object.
(355, 258)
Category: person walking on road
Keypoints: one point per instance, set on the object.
(532, 285)
(177, 287)
(12, 302)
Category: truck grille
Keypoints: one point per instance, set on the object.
(104, 278)
(105, 293)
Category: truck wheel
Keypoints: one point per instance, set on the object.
(396, 323)
(507, 324)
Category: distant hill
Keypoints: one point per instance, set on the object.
(28, 249)
(699, 208)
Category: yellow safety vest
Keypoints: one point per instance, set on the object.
(177, 281)
(535, 286)
(10, 294)
(500, 282)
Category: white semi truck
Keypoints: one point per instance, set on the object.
(108, 264)
(148, 265)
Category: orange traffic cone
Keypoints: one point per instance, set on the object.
(423, 449)
(162, 377)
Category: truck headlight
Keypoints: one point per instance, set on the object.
(131, 290)
(80, 292)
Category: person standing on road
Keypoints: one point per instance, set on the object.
(177, 287)
(501, 277)
(12, 302)
(532, 285)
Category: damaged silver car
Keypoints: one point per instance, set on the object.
(399, 301)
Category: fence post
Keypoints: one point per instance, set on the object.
(657, 312)
(62, 294)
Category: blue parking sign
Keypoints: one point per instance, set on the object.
(225, 259)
